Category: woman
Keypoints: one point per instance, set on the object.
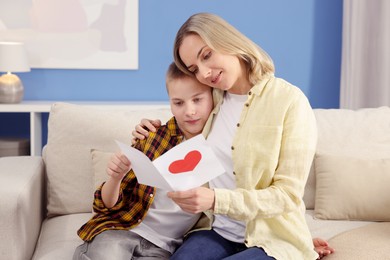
(264, 132)
(268, 123)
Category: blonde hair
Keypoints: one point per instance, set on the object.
(219, 35)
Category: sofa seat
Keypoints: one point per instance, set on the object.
(58, 238)
(327, 229)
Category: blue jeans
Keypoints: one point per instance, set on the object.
(119, 245)
(208, 244)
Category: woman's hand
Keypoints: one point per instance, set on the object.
(142, 129)
(118, 166)
(322, 247)
(195, 200)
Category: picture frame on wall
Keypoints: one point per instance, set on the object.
(73, 34)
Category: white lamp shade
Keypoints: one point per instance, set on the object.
(13, 57)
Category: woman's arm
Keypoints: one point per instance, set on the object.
(143, 128)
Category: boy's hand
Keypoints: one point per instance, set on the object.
(195, 200)
(142, 129)
(118, 166)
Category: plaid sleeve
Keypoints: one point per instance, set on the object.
(128, 182)
(135, 199)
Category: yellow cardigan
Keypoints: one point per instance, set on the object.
(272, 153)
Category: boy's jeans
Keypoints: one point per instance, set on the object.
(118, 245)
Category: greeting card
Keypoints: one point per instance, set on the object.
(188, 165)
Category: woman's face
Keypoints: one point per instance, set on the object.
(213, 68)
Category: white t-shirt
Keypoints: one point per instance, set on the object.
(221, 139)
(166, 217)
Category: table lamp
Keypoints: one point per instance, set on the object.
(13, 58)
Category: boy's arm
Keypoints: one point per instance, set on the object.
(117, 168)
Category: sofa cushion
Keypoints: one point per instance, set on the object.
(352, 188)
(58, 239)
(328, 228)
(368, 242)
(73, 130)
(100, 160)
(310, 189)
(363, 133)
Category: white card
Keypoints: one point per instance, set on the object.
(187, 165)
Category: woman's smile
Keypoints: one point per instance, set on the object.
(217, 78)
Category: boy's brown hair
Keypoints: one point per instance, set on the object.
(173, 73)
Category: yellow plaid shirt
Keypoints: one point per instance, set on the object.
(135, 199)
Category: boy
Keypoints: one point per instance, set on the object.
(134, 220)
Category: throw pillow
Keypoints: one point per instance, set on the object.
(100, 160)
(352, 188)
(73, 130)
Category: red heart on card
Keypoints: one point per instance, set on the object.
(189, 163)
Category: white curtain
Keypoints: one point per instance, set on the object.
(365, 68)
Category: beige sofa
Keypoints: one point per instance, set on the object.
(44, 200)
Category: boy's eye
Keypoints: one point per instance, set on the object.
(196, 100)
(178, 103)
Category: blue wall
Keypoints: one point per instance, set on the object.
(303, 38)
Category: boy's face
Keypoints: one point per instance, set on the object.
(191, 104)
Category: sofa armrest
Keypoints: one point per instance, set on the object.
(21, 205)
